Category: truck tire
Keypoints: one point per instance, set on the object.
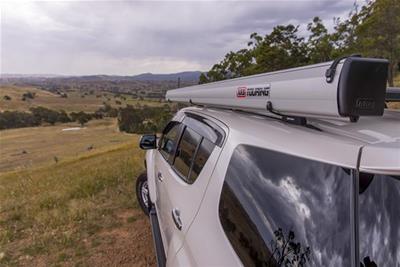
(142, 192)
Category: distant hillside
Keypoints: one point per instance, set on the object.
(19, 76)
(146, 85)
(186, 76)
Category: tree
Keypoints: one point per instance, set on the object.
(144, 119)
(28, 95)
(129, 120)
(17, 119)
(107, 111)
(45, 115)
(203, 78)
(344, 36)
(287, 252)
(280, 49)
(63, 117)
(52, 117)
(320, 45)
(379, 33)
(82, 119)
(372, 30)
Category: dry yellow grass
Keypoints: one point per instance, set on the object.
(27, 148)
(396, 83)
(397, 80)
(74, 101)
(395, 105)
(67, 213)
(67, 197)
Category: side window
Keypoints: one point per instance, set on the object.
(282, 210)
(186, 151)
(379, 219)
(169, 140)
(203, 153)
(191, 155)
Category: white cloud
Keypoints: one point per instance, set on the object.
(132, 37)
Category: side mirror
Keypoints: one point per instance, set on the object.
(148, 141)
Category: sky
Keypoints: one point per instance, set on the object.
(128, 38)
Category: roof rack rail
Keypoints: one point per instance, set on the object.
(392, 94)
(349, 87)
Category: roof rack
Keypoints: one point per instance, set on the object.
(348, 87)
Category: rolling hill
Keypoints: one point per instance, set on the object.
(187, 76)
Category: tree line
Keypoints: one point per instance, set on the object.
(372, 30)
(139, 119)
(41, 115)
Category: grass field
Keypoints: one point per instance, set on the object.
(74, 101)
(79, 211)
(27, 148)
(397, 80)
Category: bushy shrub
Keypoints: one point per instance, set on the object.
(143, 119)
(28, 95)
(107, 111)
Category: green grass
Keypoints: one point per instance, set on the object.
(52, 210)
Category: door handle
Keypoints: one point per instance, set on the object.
(176, 216)
(160, 177)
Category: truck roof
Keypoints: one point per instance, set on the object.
(333, 141)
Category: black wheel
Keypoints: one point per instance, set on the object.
(142, 192)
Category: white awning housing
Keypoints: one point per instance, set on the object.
(356, 88)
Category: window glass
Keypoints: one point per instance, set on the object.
(169, 140)
(379, 217)
(282, 210)
(186, 151)
(205, 128)
(203, 153)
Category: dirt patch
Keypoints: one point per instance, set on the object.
(128, 245)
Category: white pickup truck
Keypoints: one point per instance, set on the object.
(240, 187)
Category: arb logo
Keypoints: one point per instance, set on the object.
(365, 103)
(241, 92)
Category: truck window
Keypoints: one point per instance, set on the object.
(186, 151)
(169, 140)
(379, 220)
(203, 153)
(282, 210)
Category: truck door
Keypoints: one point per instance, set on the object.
(186, 178)
(163, 157)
